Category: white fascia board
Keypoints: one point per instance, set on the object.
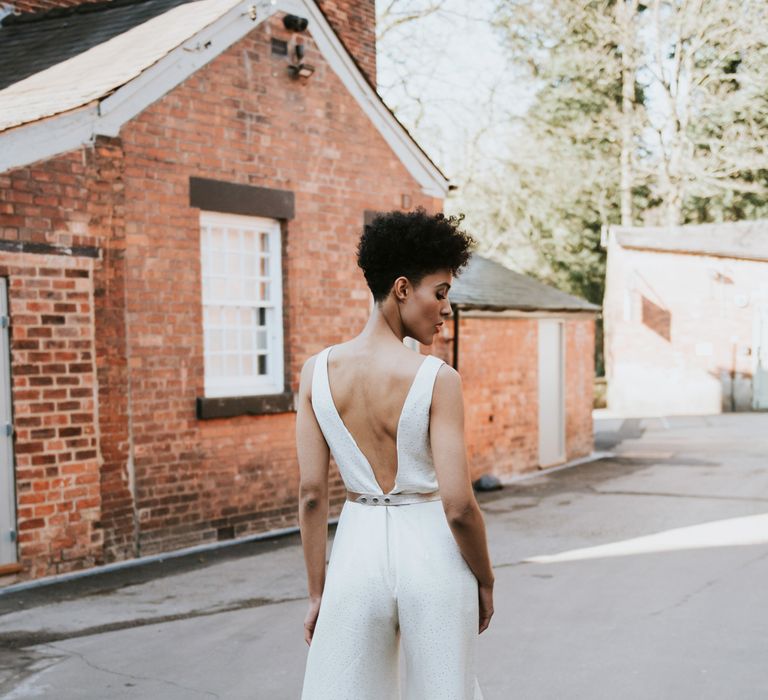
(46, 138)
(432, 181)
(134, 97)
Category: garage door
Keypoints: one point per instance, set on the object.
(551, 393)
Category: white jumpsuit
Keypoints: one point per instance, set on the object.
(395, 573)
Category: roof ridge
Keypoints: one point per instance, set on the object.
(58, 12)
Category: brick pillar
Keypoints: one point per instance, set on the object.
(106, 209)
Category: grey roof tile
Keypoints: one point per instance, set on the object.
(488, 285)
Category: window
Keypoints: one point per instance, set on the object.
(242, 304)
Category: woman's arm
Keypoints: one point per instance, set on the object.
(450, 457)
(314, 456)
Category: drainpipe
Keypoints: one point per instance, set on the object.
(456, 338)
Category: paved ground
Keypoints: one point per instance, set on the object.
(641, 575)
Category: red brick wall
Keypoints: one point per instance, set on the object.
(106, 213)
(354, 21)
(68, 209)
(498, 367)
(53, 389)
(230, 122)
(54, 403)
(498, 363)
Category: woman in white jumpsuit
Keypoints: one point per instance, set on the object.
(399, 573)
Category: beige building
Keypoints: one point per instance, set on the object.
(686, 318)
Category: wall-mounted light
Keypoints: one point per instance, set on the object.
(299, 69)
(294, 23)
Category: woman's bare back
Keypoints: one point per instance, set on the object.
(369, 391)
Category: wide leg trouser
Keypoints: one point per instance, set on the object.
(396, 578)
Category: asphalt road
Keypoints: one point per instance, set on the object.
(643, 574)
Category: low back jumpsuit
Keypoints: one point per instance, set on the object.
(395, 573)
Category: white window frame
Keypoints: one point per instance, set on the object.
(247, 385)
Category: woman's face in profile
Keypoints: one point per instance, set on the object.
(429, 307)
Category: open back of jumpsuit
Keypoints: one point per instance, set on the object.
(395, 575)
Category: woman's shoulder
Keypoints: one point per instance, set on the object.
(448, 384)
(308, 372)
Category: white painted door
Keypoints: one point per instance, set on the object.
(551, 393)
(760, 380)
(7, 481)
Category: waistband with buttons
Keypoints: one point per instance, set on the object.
(392, 499)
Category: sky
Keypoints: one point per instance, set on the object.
(447, 78)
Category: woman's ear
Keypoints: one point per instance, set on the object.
(401, 286)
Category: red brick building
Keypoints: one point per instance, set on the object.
(182, 185)
(686, 319)
(526, 355)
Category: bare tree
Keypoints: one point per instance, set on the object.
(708, 60)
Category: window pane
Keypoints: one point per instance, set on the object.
(261, 339)
(248, 365)
(218, 288)
(217, 237)
(234, 288)
(232, 364)
(250, 241)
(251, 290)
(262, 316)
(262, 364)
(213, 365)
(264, 291)
(249, 265)
(264, 242)
(264, 266)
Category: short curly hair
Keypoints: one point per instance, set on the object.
(412, 244)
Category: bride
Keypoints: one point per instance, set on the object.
(409, 566)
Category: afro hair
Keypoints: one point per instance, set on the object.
(412, 244)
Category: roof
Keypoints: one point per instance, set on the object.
(96, 71)
(70, 74)
(487, 285)
(33, 42)
(741, 239)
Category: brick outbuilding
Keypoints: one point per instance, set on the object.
(526, 355)
(181, 191)
(686, 318)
